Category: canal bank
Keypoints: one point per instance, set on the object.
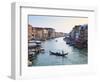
(75, 56)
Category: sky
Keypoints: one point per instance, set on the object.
(60, 24)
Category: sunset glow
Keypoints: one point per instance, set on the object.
(60, 24)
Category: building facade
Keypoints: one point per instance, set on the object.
(78, 37)
(42, 33)
(30, 32)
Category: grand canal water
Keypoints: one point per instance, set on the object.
(75, 56)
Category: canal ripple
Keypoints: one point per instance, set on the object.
(75, 56)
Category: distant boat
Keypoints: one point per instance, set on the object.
(57, 53)
(35, 41)
(29, 63)
(56, 40)
(38, 42)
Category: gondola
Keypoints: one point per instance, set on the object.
(57, 54)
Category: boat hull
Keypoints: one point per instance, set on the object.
(58, 54)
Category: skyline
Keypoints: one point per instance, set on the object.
(60, 24)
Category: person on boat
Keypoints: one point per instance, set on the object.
(62, 52)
